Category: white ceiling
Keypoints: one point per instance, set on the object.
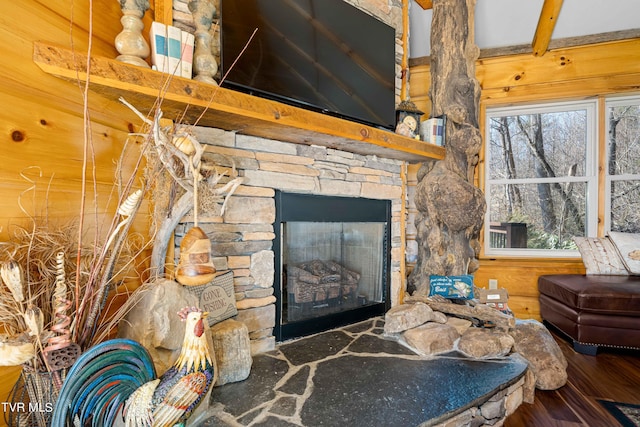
(500, 23)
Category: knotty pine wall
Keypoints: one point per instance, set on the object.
(42, 121)
(569, 73)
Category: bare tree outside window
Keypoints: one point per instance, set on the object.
(623, 177)
(538, 178)
(541, 180)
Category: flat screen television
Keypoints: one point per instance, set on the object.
(323, 55)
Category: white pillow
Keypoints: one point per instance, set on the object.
(628, 247)
(600, 256)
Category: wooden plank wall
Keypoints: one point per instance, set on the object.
(42, 120)
(568, 73)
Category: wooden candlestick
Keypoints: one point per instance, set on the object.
(130, 43)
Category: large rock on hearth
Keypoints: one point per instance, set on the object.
(534, 342)
(431, 338)
(529, 386)
(406, 316)
(232, 348)
(154, 321)
(485, 343)
(461, 325)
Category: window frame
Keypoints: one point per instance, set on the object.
(590, 179)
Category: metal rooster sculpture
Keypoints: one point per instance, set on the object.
(117, 379)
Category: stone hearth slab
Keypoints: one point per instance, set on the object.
(353, 376)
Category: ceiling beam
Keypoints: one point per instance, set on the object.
(425, 4)
(546, 24)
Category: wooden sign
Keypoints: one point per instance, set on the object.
(217, 297)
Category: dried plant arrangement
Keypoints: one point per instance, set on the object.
(57, 284)
(53, 294)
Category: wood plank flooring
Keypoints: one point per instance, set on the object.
(611, 375)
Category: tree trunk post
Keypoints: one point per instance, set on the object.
(451, 209)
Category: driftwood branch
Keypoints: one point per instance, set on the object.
(164, 232)
(180, 155)
(450, 207)
(481, 312)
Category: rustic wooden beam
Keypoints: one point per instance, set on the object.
(207, 105)
(563, 73)
(546, 24)
(405, 50)
(425, 4)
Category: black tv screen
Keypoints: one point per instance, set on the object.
(324, 55)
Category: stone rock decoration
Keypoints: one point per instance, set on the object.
(407, 316)
(217, 297)
(152, 324)
(431, 338)
(152, 321)
(233, 351)
(487, 343)
(546, 360)
(480, 332)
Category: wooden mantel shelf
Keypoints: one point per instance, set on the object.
(186, 100)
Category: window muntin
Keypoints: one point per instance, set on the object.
(540, 174)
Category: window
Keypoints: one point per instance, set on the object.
(541, 171)
(541, 181)
(623, 165)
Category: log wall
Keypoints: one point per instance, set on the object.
(564, 73)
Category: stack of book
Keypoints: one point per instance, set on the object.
(433, 130)
(171, 50)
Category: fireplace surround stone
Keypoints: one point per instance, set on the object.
(242, 238)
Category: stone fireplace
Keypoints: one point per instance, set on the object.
(244, 238)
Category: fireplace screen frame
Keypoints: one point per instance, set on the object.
(294, 207)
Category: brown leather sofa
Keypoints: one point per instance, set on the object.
(593, 310)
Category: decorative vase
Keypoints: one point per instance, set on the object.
(130, 43)
(204, 63)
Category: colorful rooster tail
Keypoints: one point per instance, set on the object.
(99, 383)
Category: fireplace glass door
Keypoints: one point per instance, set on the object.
(331, 271)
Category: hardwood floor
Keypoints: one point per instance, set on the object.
(611, 375)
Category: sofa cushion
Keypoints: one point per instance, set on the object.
(628, 247)
(603, 294)
(600, 256)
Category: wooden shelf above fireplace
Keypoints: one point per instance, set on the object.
(191, 101)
